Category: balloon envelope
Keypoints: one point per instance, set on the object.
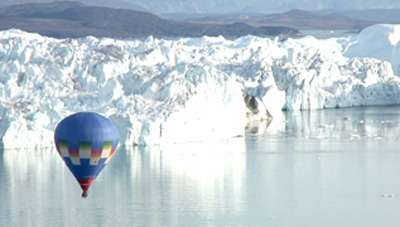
(86, 142)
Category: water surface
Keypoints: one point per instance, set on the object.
(322, 168)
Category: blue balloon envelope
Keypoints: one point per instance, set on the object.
(86, 142)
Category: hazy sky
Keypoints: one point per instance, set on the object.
(229, 6)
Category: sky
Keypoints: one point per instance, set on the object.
(230, 6)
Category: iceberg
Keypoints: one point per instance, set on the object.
(182, 90)
(376, 41)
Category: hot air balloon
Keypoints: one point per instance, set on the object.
(86, 142)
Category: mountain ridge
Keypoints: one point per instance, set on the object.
(72, 20)
(298, 19)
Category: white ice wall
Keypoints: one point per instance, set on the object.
(188, 89)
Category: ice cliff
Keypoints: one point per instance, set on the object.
(188, 89)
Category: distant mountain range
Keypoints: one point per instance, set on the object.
(299, 19)
(73, 19)
(384, 16)
(163, 7)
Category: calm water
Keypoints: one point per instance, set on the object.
(319, 168)
(326, 34)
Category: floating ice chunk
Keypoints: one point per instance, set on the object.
(376, 41)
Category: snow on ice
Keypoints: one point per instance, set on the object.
(188, 89)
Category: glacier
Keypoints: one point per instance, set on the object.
(187, 89)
